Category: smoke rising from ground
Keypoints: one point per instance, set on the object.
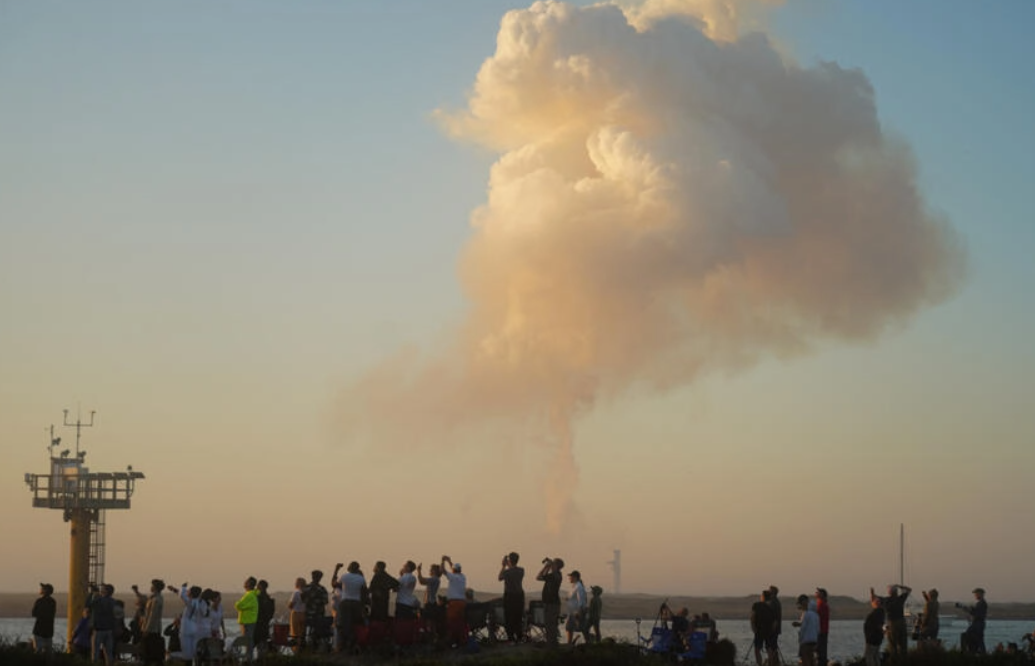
(670, 198)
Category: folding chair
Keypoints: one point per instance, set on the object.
(697, 647)
(478, 618)
(280, 638)
(497, 621)
(659, 641)
(405, 632)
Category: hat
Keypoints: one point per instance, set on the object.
(978, 590)
(821, 592)
(47, 588)
(456, 567)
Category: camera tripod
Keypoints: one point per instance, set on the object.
(749, 656)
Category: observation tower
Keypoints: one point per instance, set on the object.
(83, 497)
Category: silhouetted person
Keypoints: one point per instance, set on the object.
(267, 609)
(44, 609)
(762, 618)
(929, 623)
(551, 577)
(315, 598)
(151, 625)
(591, 627)
(894, 606)
(823, 611)
(382, 584)
(873, 632)
(774, 603)
(973, 639)
(513, 578)
(102, 610)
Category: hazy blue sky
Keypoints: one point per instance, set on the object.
(216, 217)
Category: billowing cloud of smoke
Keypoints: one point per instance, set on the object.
(666, 202)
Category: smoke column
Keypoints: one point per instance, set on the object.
(670, 198)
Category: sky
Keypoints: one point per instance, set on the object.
(360, 281)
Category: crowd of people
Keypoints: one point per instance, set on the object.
(354, 610)
(885, 624)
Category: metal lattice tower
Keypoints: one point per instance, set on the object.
(83, 497)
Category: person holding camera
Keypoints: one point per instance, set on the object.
(551, 577)
(456, 596)
(513, 577)
(895, 616)
(973, 639)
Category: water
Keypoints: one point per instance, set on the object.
(846, 638)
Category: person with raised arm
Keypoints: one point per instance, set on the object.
(513, 596)
(551, 577)
(456, 596)
(894, 606)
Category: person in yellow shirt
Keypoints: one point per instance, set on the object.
(248, 614)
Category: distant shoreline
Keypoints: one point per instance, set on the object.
(616, 607)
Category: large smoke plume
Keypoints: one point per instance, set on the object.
(670, 197)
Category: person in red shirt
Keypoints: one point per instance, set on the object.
(823, 610)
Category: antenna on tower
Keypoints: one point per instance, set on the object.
(79, 425)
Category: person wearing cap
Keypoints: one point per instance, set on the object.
(577, 604)
(823, 611)
(456, 596)
(973, 639)
(44, 611)
(551, 578)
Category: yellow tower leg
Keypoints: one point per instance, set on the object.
(78, 567)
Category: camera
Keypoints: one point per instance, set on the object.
(546, 560)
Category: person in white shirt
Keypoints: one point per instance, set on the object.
(456, 595)
(577, 604)
(808, 630)
(406, 603)
(350, 612)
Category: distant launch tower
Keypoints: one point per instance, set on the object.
(83, 497)
(616, 566)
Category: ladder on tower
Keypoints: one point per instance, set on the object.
(96, 561)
